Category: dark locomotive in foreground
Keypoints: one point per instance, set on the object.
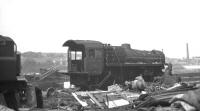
(92, 64)
(13, 92)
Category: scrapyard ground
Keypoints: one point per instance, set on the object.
(67, 102)
(63, 100)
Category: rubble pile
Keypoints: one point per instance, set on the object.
(179, 97)
(126, 100)
(155, 96)
(60, 99)
(166, 93)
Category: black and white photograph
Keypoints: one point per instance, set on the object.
(99, 55)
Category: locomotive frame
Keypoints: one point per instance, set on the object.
(92, 64)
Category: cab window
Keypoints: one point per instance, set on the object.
(76, 55)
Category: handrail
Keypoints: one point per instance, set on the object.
(50, 71)
(104, 79)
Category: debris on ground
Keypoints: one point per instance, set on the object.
(166, 93)
(104, 99)
(131, 100)
(61, 99)
(138, 84)
(114, 87)
(4, 108)
(189, 101)
(178, 97)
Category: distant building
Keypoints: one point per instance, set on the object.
(196, 60)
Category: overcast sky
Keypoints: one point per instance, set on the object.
(44, 25)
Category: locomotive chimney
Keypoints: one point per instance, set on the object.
(126, 46)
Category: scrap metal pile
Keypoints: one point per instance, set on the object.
(127, 100)
(166, 93)
(179, 97)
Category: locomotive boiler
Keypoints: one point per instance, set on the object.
(92, 64)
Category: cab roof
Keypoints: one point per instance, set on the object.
(85, 43)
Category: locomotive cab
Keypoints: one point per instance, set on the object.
(85, 61)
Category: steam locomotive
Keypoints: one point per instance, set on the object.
(13, 90)
(92, 64)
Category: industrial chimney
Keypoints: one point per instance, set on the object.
(187, 51)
